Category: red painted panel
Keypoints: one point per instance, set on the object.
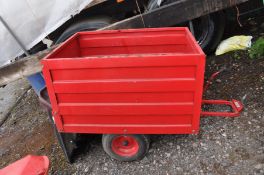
(146, 49)
(127, 81)
(130, 129)
(73, 49)
(132, 97)
(131, 119)
(132, 32)
(124, 85)
(125, 108)
(52, 96)
(121, 61)
(120, 41)
(122, 73)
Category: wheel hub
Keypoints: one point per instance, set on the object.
(125, 146)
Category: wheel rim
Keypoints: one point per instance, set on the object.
(125, 146)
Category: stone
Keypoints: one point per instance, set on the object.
(168, 154)
(218, 80)
(259, 166)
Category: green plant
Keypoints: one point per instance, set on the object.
(257, 49)
(236, 55)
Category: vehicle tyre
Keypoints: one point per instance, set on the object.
(84, 25)
(126, 147)
(212, 31)
(208, 29)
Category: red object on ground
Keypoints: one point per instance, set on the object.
(29, 165)
(138, 81)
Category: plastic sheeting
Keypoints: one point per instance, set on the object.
(32, 21)
(240, 42)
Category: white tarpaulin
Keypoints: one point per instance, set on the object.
(32, 21)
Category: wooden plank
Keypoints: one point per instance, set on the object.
(132, 97)
(114, 109)
(114, 86)
(128, 119)
(124, 73)
(130, 129)
(23, 68)
(174, 13)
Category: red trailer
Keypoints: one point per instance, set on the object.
(126, 84)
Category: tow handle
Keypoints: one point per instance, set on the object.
(235, 105)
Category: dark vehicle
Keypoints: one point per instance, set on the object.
(208, 29)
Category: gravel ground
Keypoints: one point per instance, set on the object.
(223, 146)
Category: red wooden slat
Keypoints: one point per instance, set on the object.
(125, 108)
(128, 119)
(52, 97)
(73, 50)
(125, 61)
(122, 73)
(147, 49)
(130, 129)
(198, 92)
(141, 97)
(175, 39)
(132, 32)
(130, 85)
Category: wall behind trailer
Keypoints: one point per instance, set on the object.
(32, 21)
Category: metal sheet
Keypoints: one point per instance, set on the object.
(146, 81)
(32, 21)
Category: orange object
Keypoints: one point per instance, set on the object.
(118, 1)
(29, 165)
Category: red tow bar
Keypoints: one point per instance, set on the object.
(235, 105)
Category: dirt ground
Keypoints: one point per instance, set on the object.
(223, 146)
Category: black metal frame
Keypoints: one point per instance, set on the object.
(67, 141)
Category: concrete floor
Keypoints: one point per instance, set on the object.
(10, 95)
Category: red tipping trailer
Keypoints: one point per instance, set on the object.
(127, 82)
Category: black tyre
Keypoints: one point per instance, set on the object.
(88, 24)
(126, 147)
(208, 30)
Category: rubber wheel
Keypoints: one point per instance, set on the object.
(211, 28)
(126, 147)
(208, 29)
(88, 24)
